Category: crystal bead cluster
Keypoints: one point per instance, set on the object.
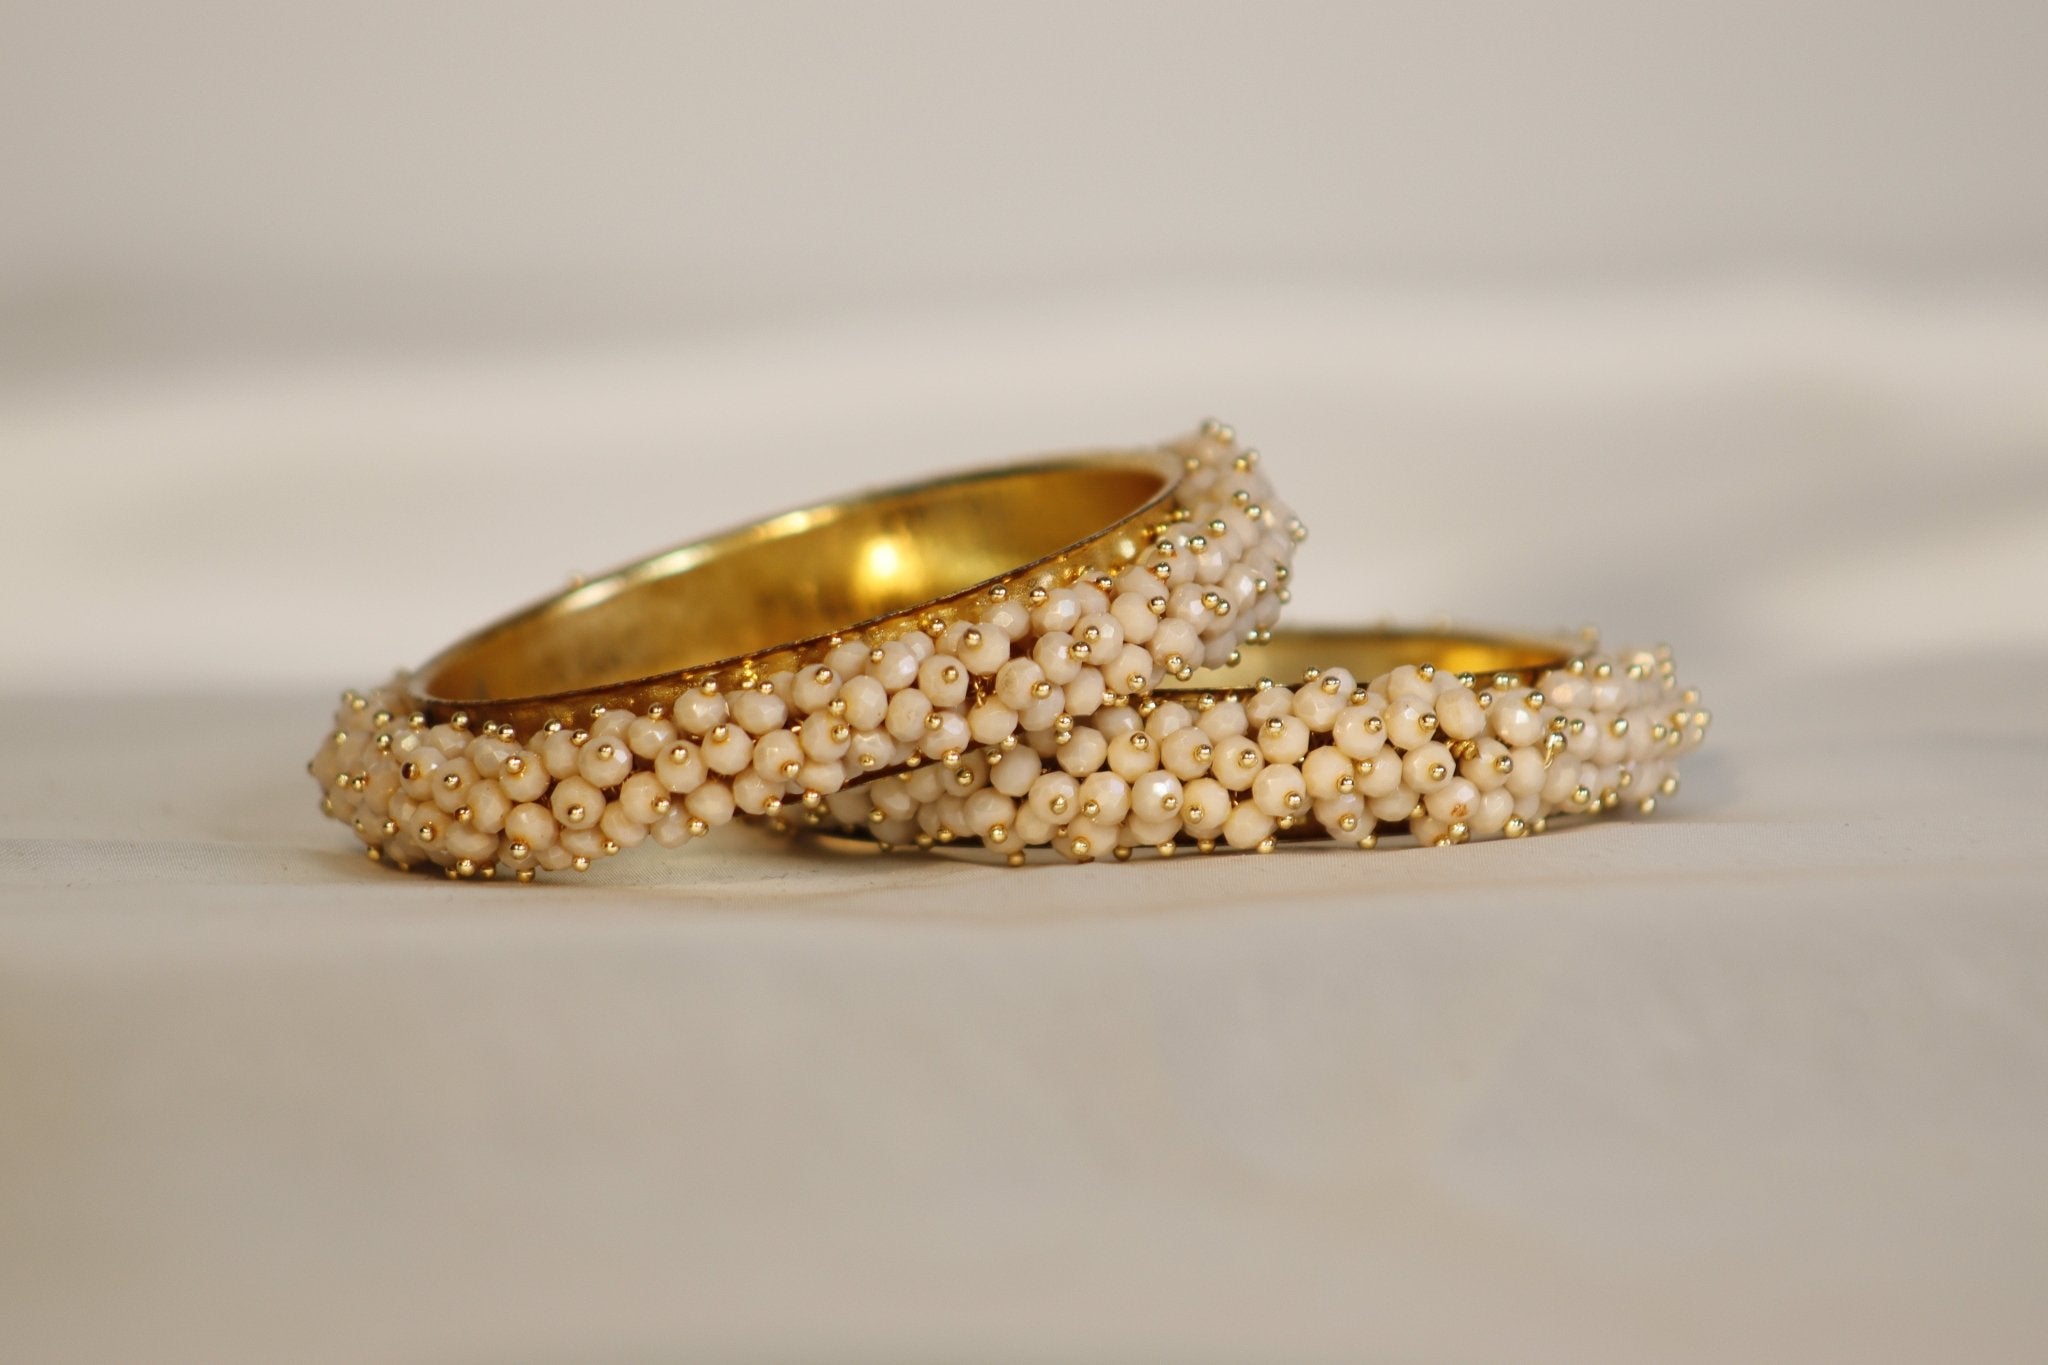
(1443, 757)
(1032, 660)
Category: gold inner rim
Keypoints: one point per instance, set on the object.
(1371, 653)
(802, 577)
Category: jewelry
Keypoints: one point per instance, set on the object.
(785, 660)
(1455, 737)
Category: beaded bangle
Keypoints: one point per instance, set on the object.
(789, 659)
(1464, 738)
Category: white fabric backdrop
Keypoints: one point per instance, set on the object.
(1762, 1078)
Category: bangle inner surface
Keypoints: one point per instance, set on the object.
(807, 575)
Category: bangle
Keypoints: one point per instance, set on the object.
(787, 659)
(1453, 737)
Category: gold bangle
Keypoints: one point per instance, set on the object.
(1441, 735)
(783, 660)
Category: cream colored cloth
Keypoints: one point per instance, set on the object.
(1762, 1078)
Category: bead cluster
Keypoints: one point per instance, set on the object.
(1444, 757)
(1031, 662)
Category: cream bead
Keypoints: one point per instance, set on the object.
(1268, 703)
(1187, 753)
(1031, 829)
(1359, 729)
(727, 749)
(487, 754)
(777, 755)
(894, 665)
(1248, 826)
(1084, 752)
(1428, 767)
(893, 798)
(867, 702)
(553, 858)
(1141, 832)
(1392, 807)
(1043, 713)
(1102, 633)
(1205, 805)
(1011, 617)
(920, 645)
(610, 721)
(753, 792)
(647, 736)
(945, 732)
(1410, 721)
(1113, 721)
(1086, 840)
(907, 712)
(560, 752)
(531, 824)
(523, 776)
(621, 828)
(1236, 762)
(848, 659)
(991, 722)
(1133, 612)
(1559, 779)
(1453, 802)
(1279, 790)
(825, 736)
(1130, 672)
(1156, 795)
(644, 798)
(1327, 773)
(1318, 703)
(1492, 812)
(1527, 774)
(450, 784)
(1407, 683)
(943, 679)
(1379, 774)
(814, 689)
(1054, 797)
(671, 830)
(1515, 722)
(1166, 718)
(981, 648)
(488, 806)
(698, 712)
(467, 842)
(1284, 738)
(1343, 816)
(1083, 695)
(758, 710)
(1058, 614)
(1133, 755)
(1176, 646)
(821, 775)
(587, 844)
(605, 760)
(987, 809)
(1223, 719)
(1018, 683)
(1459, 714)
(1013, 773)
(1054, 654)
(577, 804)
(873, 751)
(680, 767)
(1104, 797)
(1581, 734)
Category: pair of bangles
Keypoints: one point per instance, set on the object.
(1074, 654)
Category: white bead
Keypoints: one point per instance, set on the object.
(757, 711)
(727, 749)
(943, 679)
(605, 760)
(867, 702)
(1110, 796)
(644, 798)
(1013, 773)
(1459, 714)
(1279, 790)
(1327, 772)
(1084, 751)
(1156, 795)
(1514, 722)
(696, 712)
(1248, 826)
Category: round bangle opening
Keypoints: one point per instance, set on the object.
(807, 575)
